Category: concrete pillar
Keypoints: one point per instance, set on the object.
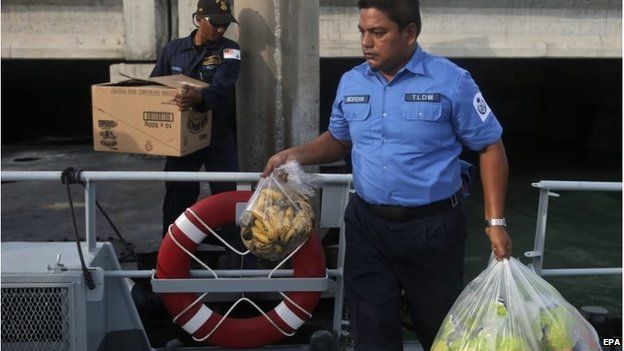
(146, 28)
(186, 9)
(277, 96)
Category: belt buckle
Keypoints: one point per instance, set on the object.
(454, 200)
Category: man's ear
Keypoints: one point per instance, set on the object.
(411, 33)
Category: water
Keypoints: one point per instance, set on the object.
(584, 229)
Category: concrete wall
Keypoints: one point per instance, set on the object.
(68, 29)
(135, 30)
(493, 28)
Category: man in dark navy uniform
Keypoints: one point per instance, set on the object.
(205, 55)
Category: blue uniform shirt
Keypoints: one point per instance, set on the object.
(407, 134)
(216, 63)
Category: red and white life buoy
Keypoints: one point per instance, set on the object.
(199, 320)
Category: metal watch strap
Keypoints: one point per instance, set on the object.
(496, 222)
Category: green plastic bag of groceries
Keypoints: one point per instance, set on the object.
(510, 308)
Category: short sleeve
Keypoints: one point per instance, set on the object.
(338, 125)
(473, 121)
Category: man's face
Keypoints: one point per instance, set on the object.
(385, 47)
(210, 31)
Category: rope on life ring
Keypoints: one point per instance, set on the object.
(174, 259)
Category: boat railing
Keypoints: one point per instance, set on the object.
(334, 197)
(547, 188)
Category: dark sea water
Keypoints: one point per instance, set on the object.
(584, 229)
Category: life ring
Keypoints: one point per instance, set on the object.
(199, 320)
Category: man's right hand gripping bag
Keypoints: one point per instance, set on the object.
(279, 217)
(510, 308)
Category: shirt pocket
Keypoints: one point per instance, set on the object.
(422, 111)
(356, 112)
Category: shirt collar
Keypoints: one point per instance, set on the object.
(416, 62)
(188, 41)
(414, 65)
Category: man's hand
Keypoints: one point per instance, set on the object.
(277, 160)
(187, 97)
(325, 148)
(500, 240)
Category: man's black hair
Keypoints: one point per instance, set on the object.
(402, 12)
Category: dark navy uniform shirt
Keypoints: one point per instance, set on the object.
(216, 63)
(407, 134)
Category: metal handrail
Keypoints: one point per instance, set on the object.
(90, 178)
(537, 255)
(87, 176)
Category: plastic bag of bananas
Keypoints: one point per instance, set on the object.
(279, 217)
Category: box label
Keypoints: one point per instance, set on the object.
(196, 123)
(153, 119)
(107, 136)
(157, 116)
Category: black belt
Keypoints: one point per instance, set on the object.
(404, 213)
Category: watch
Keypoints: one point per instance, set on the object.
(496, 222)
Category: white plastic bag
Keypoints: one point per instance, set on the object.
(510, 308)
(279, 217)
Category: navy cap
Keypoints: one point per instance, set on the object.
(219, 11)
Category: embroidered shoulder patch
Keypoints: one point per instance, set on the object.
(481, 106)
(211, 60)
(231, 54)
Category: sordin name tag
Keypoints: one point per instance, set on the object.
(422, 97)
(356, 99)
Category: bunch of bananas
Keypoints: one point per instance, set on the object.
(276, 223)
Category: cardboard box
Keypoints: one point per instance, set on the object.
(139, 116)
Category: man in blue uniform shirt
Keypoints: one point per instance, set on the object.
(405, 115)
(206, 55)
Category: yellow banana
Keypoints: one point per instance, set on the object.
(273, 194)
(288, 235)
(258, 214)
(259, 236)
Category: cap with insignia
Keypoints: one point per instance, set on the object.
(219, 11)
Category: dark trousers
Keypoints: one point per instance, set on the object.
(219, 156)
(424, 257)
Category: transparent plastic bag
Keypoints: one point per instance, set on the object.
(279, 217)
(510, 308)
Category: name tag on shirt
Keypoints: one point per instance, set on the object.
(422, 97)
(356, 99)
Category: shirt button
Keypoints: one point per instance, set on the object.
(384, 168)
(420, 114)
(385, 114)
(387, 87)
(384, 141)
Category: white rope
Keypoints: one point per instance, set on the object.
(307, 313)
(170, 233)
(175, 319)
(215, 234)
(232, 308)
(282, 293)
